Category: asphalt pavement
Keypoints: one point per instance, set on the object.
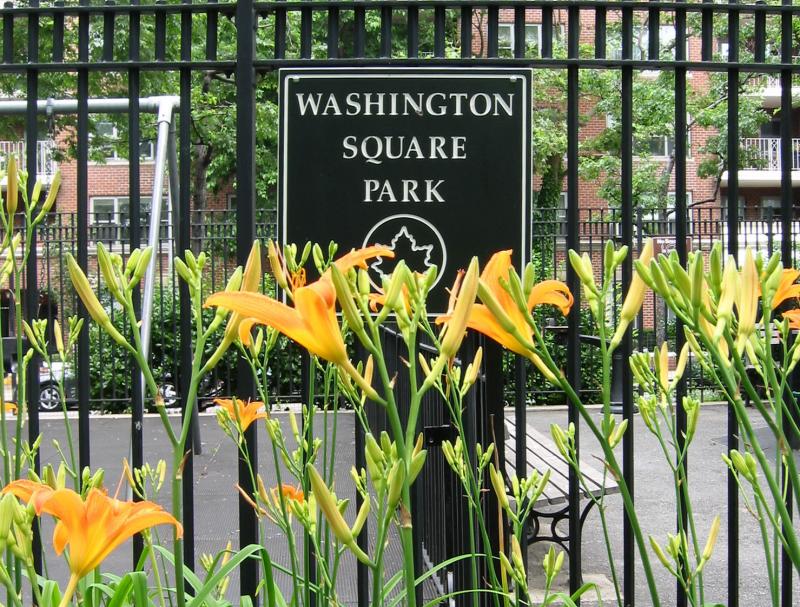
(216, 500)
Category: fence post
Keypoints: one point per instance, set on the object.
(245, 233)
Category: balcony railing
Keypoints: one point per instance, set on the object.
(45, 163)
(764, 153)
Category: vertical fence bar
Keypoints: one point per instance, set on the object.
(31, 274)
(58, 33)
(787, 246)
(160, 33)
(82, 161)
(184, 204)
(359, 19)
(707, 31)
(306, 33)
(626, 179)
(466, 31)
(438, 30)
(280, 32)
(134, 227)
(547, 31)
(8, 34)
(108, 33)
(245, 233)
(333, 33)
(733, 249)
(681, 151)
(362, 571)
(519, 32)
(600, 32)
(574, 320)
(492, 31)
(386, 31)
(412, 43)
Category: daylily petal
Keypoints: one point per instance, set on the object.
(323, 336)
(553, 292)
(483, 321)
(789, 288)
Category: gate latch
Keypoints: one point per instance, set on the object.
(436, 435)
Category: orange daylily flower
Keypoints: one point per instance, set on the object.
(244, 413)
(290, 493)
(793, 317)
(29, 491)
(96, 527)
(551, 292)
(789, 288)
(312, 321)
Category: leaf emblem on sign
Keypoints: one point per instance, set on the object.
(405, 246)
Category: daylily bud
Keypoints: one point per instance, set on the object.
(617, 434)
(52, 193)
(394, 292)
(59, 338)
(89, 299)
(344, 296)
(471, 375)
(680, 367)
(499, 487)
(276, 265)
(397, 476)
(635, 296)
(584, 272)
(416, 465)
(108, 272)
(747, 302)
(660, 553)
(35, 193)
(712, 539)
(692, 408)
(361, 518)
(12, 187)
(552, 563)
(141, 265)
(457, 324)
(329, 507)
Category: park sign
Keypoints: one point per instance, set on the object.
(432, 162)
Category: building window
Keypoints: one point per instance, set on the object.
(659, 146)
(506, 42)
(661, 221)
(724, 208)
(109, 218)
(106, 140)
(641, 42)
(770, 208)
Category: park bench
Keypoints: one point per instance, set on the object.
(550, 514)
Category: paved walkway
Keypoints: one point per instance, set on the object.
(217, 504)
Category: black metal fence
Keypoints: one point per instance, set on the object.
(86, 47)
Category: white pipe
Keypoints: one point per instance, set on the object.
(165, 112)
(150, 105)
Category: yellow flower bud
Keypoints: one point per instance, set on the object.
(499, 487)
(457, 324)
(397, 476)
(12, 187)
(635, 296)
(329, 507)
(361, 518)
(712, 539)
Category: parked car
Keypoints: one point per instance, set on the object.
(49, 396)
(210, 388)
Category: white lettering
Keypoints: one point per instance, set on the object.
(498, 100)
(430, 190)
(370, 186)
(353, 105)
(307, 102)
(349, 146)
(487, 104)
(410, 190)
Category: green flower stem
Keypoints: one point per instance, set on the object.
(773, 579)
(34, 579)
(5, 579)
(380, 543)
(615, 468)
(731, 390)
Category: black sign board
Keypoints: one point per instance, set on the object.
(432, 162)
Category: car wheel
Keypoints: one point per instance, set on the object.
(49, 398)
(169, 394)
